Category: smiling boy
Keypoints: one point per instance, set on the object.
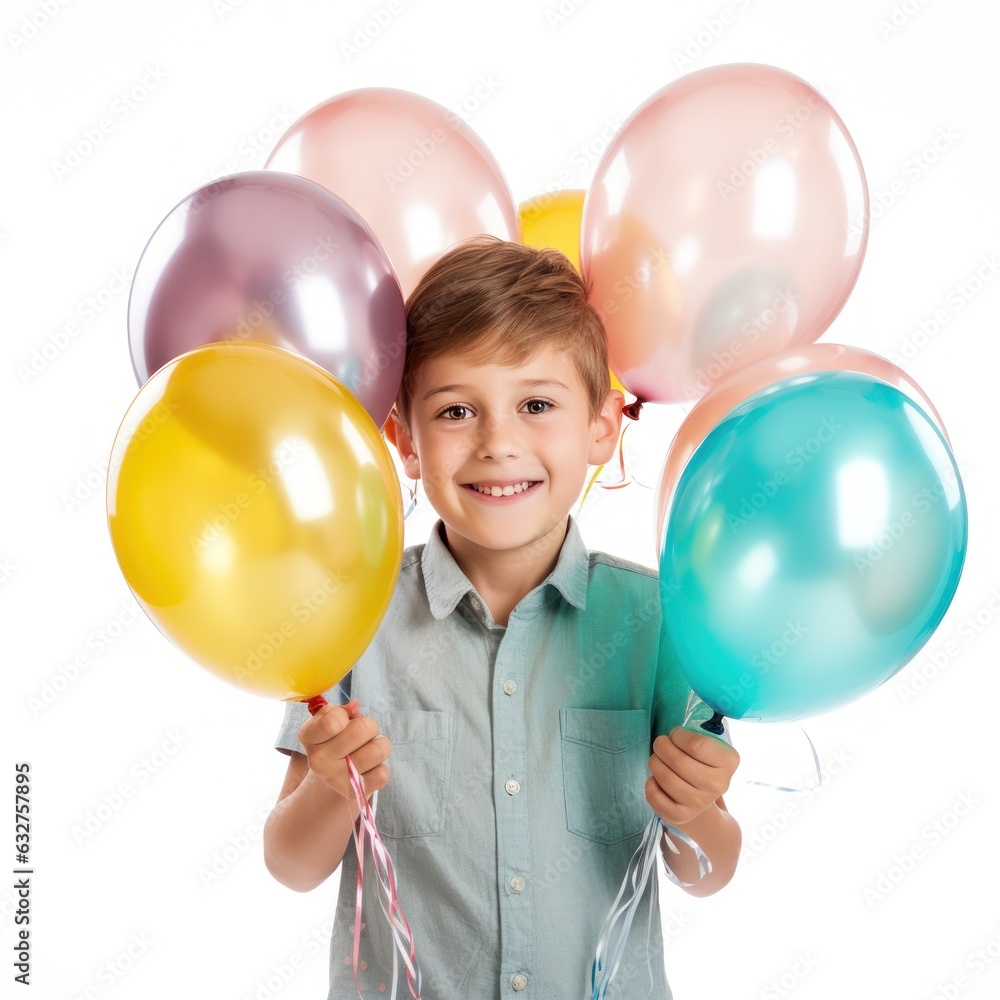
(519, 706)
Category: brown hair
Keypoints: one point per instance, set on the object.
(491, 300)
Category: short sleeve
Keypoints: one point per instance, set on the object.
(673, 697)
(296, 712)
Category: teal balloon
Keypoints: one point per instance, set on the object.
(813, 544)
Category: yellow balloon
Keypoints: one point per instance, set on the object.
(256, 514)
(553, 220)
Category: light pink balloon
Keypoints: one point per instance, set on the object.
(743, 383)
(414, 171)
(726, 221)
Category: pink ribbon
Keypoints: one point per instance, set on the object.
(365, 832)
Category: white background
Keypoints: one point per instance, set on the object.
(125, 911)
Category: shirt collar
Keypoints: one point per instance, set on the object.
(446, 584)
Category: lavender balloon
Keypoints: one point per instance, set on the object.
(272, 258)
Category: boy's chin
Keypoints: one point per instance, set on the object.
(499, 529)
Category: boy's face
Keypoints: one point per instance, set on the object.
(492, 426)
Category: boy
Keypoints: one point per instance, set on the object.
(520, 683)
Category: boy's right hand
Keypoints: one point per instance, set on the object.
(336, 731)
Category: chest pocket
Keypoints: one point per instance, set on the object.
(605, 766)
(413, 803)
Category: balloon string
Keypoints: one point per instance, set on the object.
(640, 871)
(611, 943)
(389, 899)
(704, 864)
(359, 844)
(626, 478)
(801, 788)
(694, 701)
(385, 874)
(412, 490)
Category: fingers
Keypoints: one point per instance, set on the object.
(673, 798)
(681, 783)
(708, 749)
(369, 756)
(689, 755)
(664, 805)
(671, 789)
(325, 724)
(338, 733)
(375, 779)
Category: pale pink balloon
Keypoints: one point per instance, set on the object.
(726, 221)
(743, 383)
(414, 171)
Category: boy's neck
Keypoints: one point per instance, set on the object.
(503, 576)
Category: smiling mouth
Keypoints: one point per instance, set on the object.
(506, 491)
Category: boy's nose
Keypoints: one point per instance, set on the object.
(497, 439)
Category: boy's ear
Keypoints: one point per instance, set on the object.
(403, 443)
(607, 424)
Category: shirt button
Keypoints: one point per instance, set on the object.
(512, 786)
(517, 883)
(509, 687)
(519, 981)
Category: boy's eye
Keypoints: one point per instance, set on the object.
(544, 403)
(459, 406)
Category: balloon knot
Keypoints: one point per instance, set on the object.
(632, 409)
(316, 703)
(714, 725)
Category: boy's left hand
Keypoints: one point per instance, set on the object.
(688, 772)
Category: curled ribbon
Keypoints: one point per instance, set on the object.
(640, 871)
(412, 490)
(385, 874)
(626, 477)
(611, 943)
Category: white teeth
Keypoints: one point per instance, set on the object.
(507, 491)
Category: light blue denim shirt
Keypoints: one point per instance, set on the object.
(516, 794)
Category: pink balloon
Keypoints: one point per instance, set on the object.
(727, 221)
(743, 383)
(271, 258)
(420, 177)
